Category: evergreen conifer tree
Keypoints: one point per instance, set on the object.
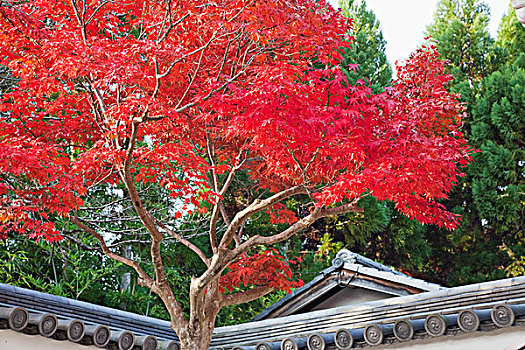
(368, 49)
(498, 130)
(511, 35)
(461, 28)
(489, 74)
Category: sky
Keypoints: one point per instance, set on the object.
(403, 22)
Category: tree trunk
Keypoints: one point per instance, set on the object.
(197, 332)
(191, 340)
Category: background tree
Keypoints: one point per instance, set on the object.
(461, 29)
(115, 100)
(498, 173)
(367, 49)
(498, 177)
(488, 75)
(510, 35)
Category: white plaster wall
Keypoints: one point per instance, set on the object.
(11, 340)
(351, 296)
(512, 338)
(504, 339)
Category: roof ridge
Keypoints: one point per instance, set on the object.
(347, 256)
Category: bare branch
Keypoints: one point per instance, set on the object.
(96, 10)
(257, 206)
(246, 296)
(184, 241)
(317, 213)
(171, 26)
(192, 80)
(183, 57)
(80, 244)
(144, 278)
(222, 87)
(80, 20)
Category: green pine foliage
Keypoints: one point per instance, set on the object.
(511, 36)
(461, 30)
(489, 74)
(368, 49)
(498, 173)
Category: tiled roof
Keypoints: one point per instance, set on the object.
(465, 309)
(355, 262)
(63, 318)
(474, 308)
(346, 260)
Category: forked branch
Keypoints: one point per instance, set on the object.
(144, 278)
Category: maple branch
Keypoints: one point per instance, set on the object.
(144, 279)
(317, 213)
(145, 217)
(184, 241)
(315, 154)
(167, 15)
(97, 113)
(157, 79)
(114, 245)
(255, 207)
(237, 236)
(97, 182)
(80, 21)
(246, 296)
(80, 244)
(171, 26)
(160, 286)
(290, 231)
(98, 95)
(192, 80)
(310, 163)
(215, 186)
(226, 51)
(183, 57)
(96, 10)
(222, 87)
(241, 10)
(213, 228)
(224, 214)
(225, 187)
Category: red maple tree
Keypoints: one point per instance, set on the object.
(183, 96)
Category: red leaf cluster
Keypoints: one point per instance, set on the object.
(207, 88)
(280, 214)
(268, 268)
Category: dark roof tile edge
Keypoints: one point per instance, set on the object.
(82, 305)
(105, 334)
(452, 328)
